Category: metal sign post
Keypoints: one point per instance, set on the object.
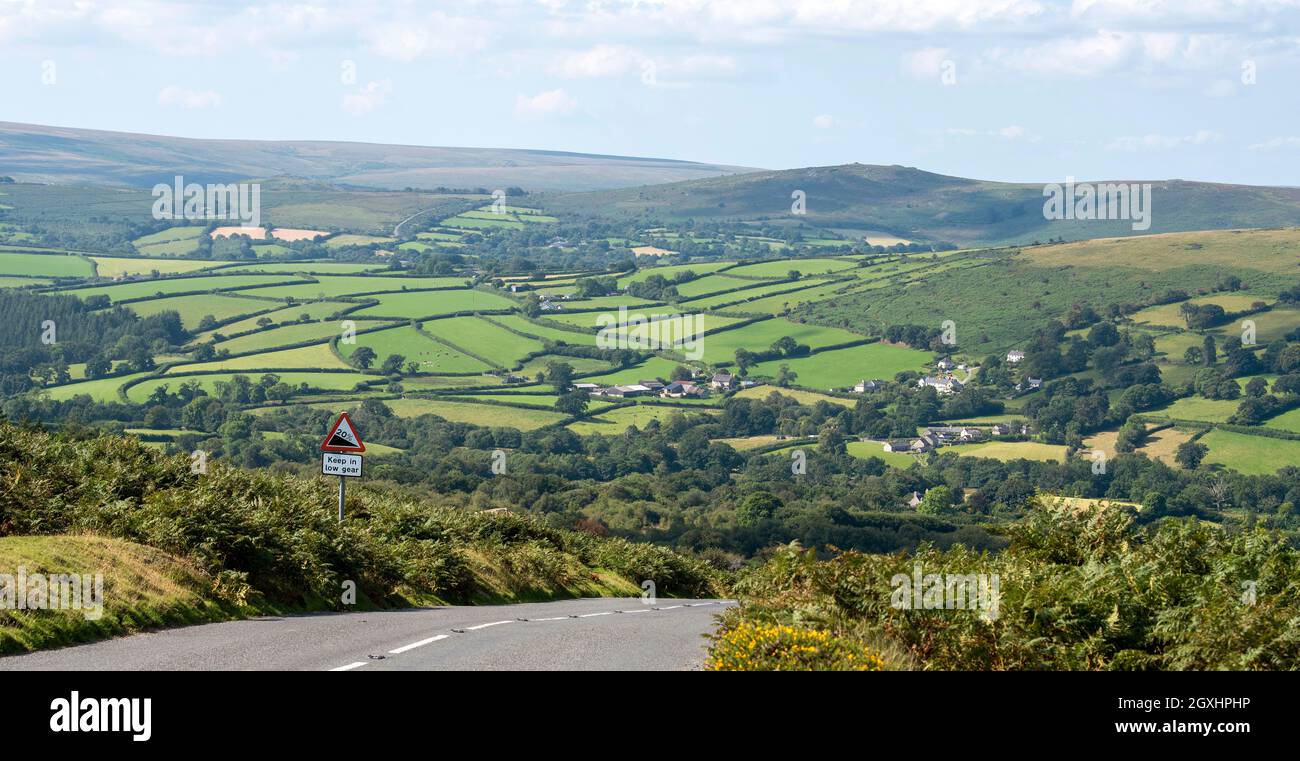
(341, 455)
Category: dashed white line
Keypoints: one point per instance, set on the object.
(484, 626)
(350, 666)
(414, 645)
(642, 610)
(553, 618)
(672, 607)
(592, 615)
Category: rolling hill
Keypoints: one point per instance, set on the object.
(859, 200)
(82, 156)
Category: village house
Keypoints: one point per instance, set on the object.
(946, 364)
(868, 386)
(591, 388)
(654, 385)
(1015, 355)
(945, 434)
(679, 389)
(914, 501)
(723, 381)
(941, 385)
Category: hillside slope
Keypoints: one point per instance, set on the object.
(855, 199)
(234, 542)
(39, 153)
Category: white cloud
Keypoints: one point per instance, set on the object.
(437, 34)
(599, 61)
(544, 104)
(175, 95)
(367, 97)
(1009, 132)
(926, 63)
(824, 121)
(1277, 143)
(1158, 142)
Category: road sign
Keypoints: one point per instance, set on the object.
(340, 464)
(343, 437)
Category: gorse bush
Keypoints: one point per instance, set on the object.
(772, 647)
(1075, 590)
(276, 538)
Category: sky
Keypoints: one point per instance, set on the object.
(1011, 90)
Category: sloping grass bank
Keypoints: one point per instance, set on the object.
(236, 542)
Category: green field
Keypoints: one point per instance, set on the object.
(433, 357)
(51, 265)
(844, 367)
(140, 392)
(1011, 450)
(1168, 315)
(330, 286)
(113, 266)
(780, 267)
(23, 282)
(101, 390)
(1252, 455)
(339, 241)
(699, 268)
(868, 449)
(202, 284)
(1199, 408)
(283, 336)
(433, 303)
(616, 421)
(193, 309)
(315, 310)
(495, 344)
(174, 241)
(803, 397)
(490, 415)
(306, 357)
(721, 347)
(546, 332)
(1287, 421)
(307, 268)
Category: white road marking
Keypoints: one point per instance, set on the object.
(553, 618)
(484, 626)
(350, 666)
(671, 607)
(642, 610)
(414, 645)
(590, 615)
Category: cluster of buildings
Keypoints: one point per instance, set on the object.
(938, 436)
(697, 388)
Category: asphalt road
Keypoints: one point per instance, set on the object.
(588, 634)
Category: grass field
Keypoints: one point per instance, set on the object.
(721, 347)
(546, 332)
(493, 343)
(490, 415)
(868, 449)
(282, 336)
(140, 392)
(101, 390)
(202, 284)
(339, 241)
(1010, 450)
(842, 368)
(1264, 250)
(174, 241)
(331, 286)
(616, 421)
(51, 265)
(1270, 326)
(315, 310)
(23, 282)
(192, 309)
(1252, 455)
(434, 303)
(803, 397)
(307, 267)
(306, 357)
(1287, 421)
(1198, 408)
(1168, 315)
(113, 266)
(433, 357)
(699, 268)
(780, 267)
(580, 365)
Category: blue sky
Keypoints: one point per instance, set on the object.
(1019, 90)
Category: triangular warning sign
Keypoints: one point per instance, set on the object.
(343, 437)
